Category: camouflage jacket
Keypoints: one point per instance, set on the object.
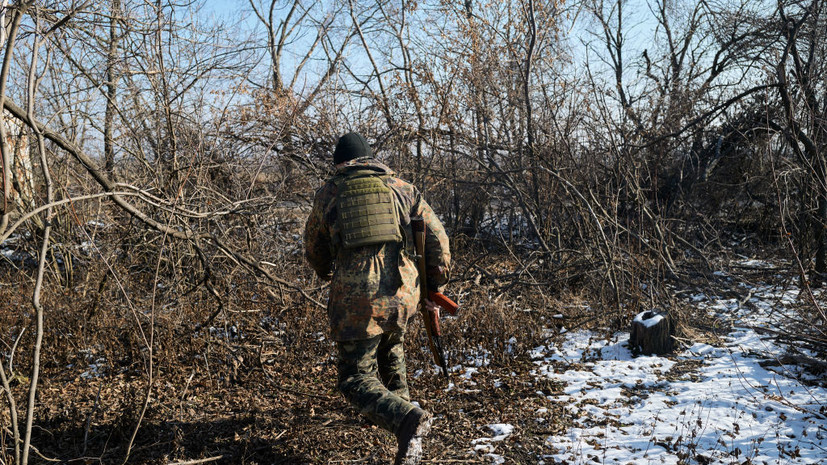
(374, 289)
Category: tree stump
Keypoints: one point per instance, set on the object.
(651, 334)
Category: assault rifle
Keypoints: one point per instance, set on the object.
(431, 318)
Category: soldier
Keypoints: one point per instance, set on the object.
(359, 237)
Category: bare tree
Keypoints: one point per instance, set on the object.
(803, 93)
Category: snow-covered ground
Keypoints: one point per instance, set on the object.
(705, 404)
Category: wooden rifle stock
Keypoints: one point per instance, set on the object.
(431, 318)
(443, 301)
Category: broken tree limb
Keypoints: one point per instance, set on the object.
(101, 178)
(91, 167)
(41, 208)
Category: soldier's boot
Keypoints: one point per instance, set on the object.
(415, 426)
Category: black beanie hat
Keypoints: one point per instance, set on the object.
(350, 146)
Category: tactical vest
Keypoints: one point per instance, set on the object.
(367, 213)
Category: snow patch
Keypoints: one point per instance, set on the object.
(486, 446)
(648, 319)
(724, 408)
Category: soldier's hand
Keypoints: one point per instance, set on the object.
(432, 308)
(326, 277)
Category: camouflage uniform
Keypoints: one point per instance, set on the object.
(373, 293)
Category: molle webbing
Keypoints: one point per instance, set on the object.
(367, 212)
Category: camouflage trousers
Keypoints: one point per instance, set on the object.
(373, 378)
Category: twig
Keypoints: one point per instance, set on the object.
(35, 449)
(89, 419)
(452, 461)
(782, 334)
(184, 393)
(15, 433)
(13, 350)
(5, 235)
(191, 462)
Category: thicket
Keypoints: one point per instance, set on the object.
(158, 166)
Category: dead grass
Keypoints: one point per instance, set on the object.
(256, 385)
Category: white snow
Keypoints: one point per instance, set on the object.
(96, 224)
(96, 363)
(96, 369)
(754, 263)
(486, 446)
(733, 408)
(230, 333)
(709, 403)
(500, 431)
(648, 319)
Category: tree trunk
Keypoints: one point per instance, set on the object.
(111, 92)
